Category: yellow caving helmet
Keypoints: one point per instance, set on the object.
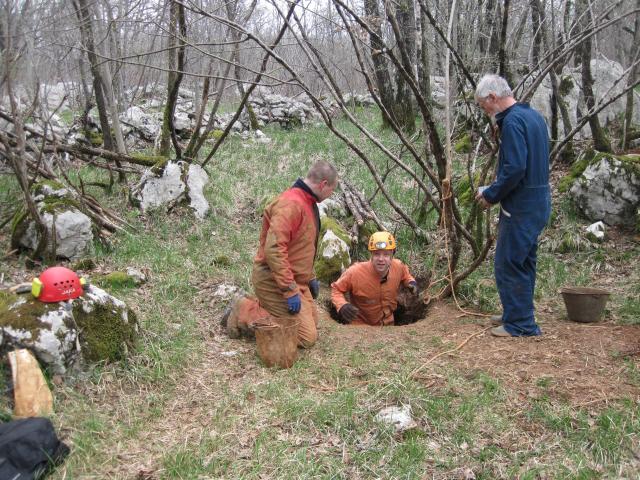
(382, 241)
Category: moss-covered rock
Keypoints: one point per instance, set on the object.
(58, 206)
(104, 327)
(333, 251)
(609, 189)
(108, 328)
(46, 329)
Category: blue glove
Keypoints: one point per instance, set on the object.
(314, 288)
(413, 286)
(294, 303)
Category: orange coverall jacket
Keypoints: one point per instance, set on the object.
(376, 300)
(290, 226)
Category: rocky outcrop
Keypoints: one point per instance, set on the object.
(605, 74)
(172, 184)
(69, 229)
(94, 327)
(609, 190)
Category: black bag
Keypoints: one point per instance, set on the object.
(29, 449)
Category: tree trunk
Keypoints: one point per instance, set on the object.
(86, 31)
(403, 105)
(424, 71)
(174, 77)
(600, 140)
(633, 74)
(537, 16)
(232, 12)
(381, 69)
(502, 56)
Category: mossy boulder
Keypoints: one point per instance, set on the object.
(609, 189)
(333, 252)
(61, 213)
(94, 327)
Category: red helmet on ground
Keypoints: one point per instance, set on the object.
(56, 284)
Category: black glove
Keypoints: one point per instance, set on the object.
(413, 286)
(314, 288)
(348, 313)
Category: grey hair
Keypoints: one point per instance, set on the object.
(495, 84)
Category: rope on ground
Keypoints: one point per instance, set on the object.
(418, 369)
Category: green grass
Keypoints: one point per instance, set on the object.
(316, 420)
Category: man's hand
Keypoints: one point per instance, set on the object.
(482, 201)
(294, 303)
(314, 288)
(413, 286)
(348, 313)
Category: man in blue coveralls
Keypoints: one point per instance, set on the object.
(522, 190)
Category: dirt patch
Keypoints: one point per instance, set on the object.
(582, 364)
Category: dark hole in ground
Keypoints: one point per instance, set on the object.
(410, 309)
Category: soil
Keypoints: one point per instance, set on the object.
(582, 364)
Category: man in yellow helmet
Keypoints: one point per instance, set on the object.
(372, 287)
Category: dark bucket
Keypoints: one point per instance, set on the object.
(584, 304)
(277, 343)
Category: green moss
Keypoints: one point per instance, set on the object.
(591, 158)
(95, 138)
(463, 145)
(53, 204)
(39, 188)
(160, 165)
(67, 116)
(85, 264)
(566, 85)
(114, 280)
(151, 160)
(576, 171)
(329, 269)
(328, 223)
(21, 316)
(215, 134)
(103, 335)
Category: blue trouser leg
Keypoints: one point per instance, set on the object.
(515, 271)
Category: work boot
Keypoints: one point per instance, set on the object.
(500, 332)
(496, 320)
(230, 318)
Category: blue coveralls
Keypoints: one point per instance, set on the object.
(522, 189)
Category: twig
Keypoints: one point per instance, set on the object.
(415, 371)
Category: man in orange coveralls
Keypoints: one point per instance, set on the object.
(372, 286)
(283, 277)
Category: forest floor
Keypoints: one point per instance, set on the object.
(191, 403)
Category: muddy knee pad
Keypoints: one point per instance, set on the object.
(246, 311)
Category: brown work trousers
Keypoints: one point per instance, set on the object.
(272, 305)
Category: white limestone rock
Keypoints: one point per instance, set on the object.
(609, 190)
(168, 187)
(398, 417)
